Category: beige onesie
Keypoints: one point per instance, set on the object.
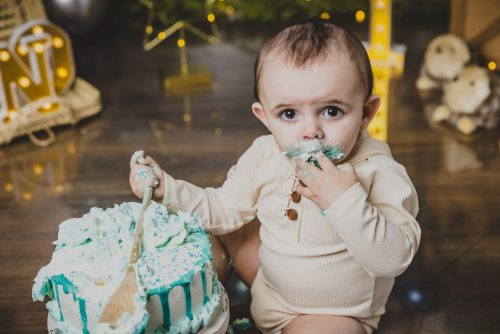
(340, 261)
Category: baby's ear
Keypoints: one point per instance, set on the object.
(259, 112)
(369, 110)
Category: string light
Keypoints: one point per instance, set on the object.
(38, 47)
(24, 82)
(229, 10)
(181, 42)
(360, 16)
(325, 16)
(57, 42)
(37, 30)
(22, 50)
(149, 43)
(4, 56)
(492, 65)
(62, 72)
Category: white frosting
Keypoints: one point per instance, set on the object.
(91, 258)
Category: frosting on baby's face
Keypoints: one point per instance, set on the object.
(310, 151)
(320, 101)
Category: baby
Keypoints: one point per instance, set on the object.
(337, 212)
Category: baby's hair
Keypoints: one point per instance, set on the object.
(313, 41)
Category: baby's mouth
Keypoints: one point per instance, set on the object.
(310, 151)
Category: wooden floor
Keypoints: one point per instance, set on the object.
(453, 285)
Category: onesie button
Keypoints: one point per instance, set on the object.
(295, 196)
(292, 214)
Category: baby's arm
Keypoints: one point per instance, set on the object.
(228, 207)
(222, 210)
(376, 218)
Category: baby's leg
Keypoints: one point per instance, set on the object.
(243, 248)
(221, 259)
(313, 324)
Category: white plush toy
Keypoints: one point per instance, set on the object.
(470, 101)
(444, 58)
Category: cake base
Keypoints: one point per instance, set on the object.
(218, 325)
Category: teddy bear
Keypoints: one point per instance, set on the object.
(470, 101)
(444, 58)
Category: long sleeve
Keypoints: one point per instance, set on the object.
(229, 207)
(376, 218)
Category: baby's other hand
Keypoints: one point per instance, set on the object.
(146, 172)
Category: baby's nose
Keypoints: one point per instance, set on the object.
(313, 132)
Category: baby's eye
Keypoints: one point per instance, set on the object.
(287, 114)
(332, 112)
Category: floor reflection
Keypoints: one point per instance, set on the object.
(462, 152)
(28, 171)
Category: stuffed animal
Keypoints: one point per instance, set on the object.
(471, 100)
(444, 58)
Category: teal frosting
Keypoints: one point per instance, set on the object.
(91, 257)
(311, 150)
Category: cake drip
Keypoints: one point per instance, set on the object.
(91, 257)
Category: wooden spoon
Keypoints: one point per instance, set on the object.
(122, 300)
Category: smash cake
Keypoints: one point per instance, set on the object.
(178, 287)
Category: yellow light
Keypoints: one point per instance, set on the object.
(181, 43)
(162, 35)
(37, 30)
(8, 187)
(492, 65)
(38, 47)
(62, 72)
(71, 148)
(380, 4)
(59, 188)
(380, 28)
(4, 55)
(186, 118)
(24, 82)
(149, 29)
(27, 195)
(47, 106)
(325, 16)
(22, 50)
(229, 10)
(38, 169)
(211, 17)
(58, 42)
(360, 16)
(221, 6)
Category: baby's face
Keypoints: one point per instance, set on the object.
(301, 104)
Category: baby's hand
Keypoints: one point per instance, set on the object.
(146, 172)
(324, 186)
